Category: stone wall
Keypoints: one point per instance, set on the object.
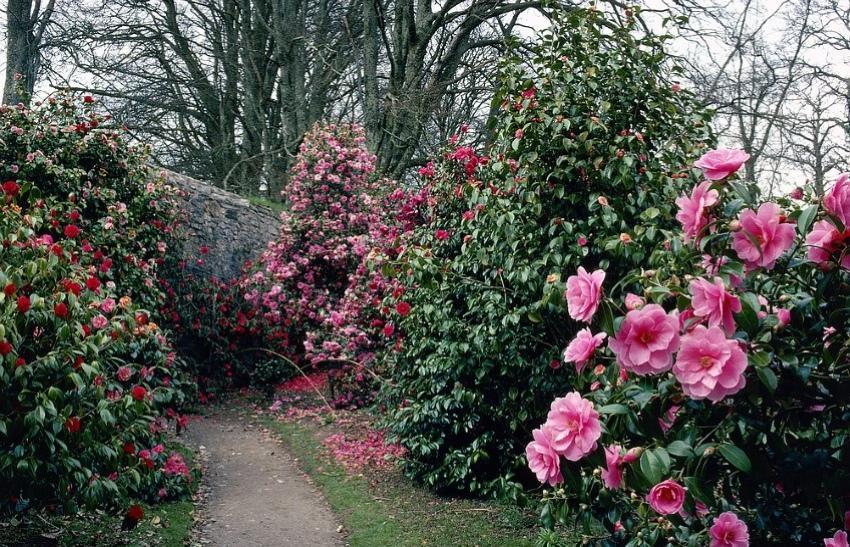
(229, 226)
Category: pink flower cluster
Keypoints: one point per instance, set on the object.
(571, 430)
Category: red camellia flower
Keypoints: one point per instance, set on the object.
(61, 310)
(403, 308)
(72, 424)
(88, 99)
(20, 362)
(93, 283)
(129, 448)
(11, 188)
(71, 231)
(10, 289)
(72, 287)
(135, 513)
(5, 348)
(138, 393)
(23, 304)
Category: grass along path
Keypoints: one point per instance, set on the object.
(380, 508)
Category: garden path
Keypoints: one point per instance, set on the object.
(255, 493)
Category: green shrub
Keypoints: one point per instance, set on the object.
(591, 147)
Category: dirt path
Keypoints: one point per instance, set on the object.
(256, 495)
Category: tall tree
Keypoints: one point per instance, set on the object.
(27, 22)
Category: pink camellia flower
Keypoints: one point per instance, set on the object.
(692, 210)
(729, 531)
(124, 373)
(574, 426)
(763, 236)
(582, 348)
(647, 340)
(783, 315)
(837, 200)
(667, 421)
(99, 321)
(634, 302)
(719, 164)
(824, 241)
(712, 301)
(543, 460)
(666, 498)
(796, 193)
(838, 540)
(612, 475)
(709, 366)
(442, 235)
(584, 291)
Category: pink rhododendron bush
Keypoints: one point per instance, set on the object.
(89, 381)
(711, 406)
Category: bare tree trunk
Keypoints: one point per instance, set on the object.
(26, 23)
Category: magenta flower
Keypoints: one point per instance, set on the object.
(709, 366)
(763, 236)
(584, 291)
(719, 164)
(666, 498)
(729, 531)
(543, 460)
(837, 200)
(824, 241)
(692, 210)
(838, 540)
(634, 302)
(99, 321)
(574, 426)
(612, 475)
(582, 348)
(647, 340)
(712, 301)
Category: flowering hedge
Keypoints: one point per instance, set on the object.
(86, 372)
(591, 148)
(718, 411)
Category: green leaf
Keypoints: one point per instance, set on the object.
(768, 378)
(735, 456)
(804, 221)
(680, 449)
(614, 409)
(654, 464)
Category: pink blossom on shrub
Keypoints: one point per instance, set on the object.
(666, 498)
(729, 531)
(612, 475)
(826, 243)
(647, 340)
(709, 366)
(582, 348)
(837, 200)
(542, 458)
(715, 303)
(574, 426)
(692, 210)
(634, 302)
(838, 540)
(763, 237)
(719, 164)
(584, 291)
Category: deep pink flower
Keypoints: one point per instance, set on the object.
(783, 315)
(709, 366)
(824, 241)
(99, 321)
(692, 210)
(612, 475)
(584, 291)
(442, 235)
(634, 302)
(574, 426)
(647, 340)
(582, 348)
(838, 540)
(712, 301)
(837, 200)
(763, 236)
(719, 164)
(729, 531)
(124, 373)
(666, 498)
(542, 458)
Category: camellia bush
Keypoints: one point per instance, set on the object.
(592, 145)
(713, 409)
(88, 379)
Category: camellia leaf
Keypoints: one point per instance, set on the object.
(804, 221)
(735, 456)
